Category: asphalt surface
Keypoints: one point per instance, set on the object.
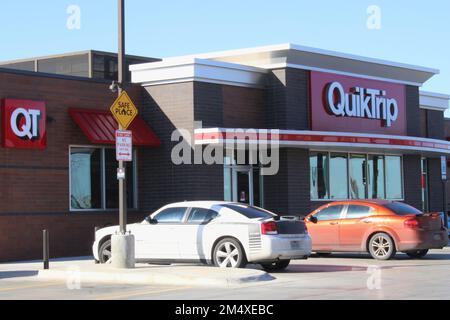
(340, 276)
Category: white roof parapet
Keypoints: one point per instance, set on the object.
(434, 101)
(187, 69)
(302, 57)
(291, 56)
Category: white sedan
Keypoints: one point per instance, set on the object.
(228, 235)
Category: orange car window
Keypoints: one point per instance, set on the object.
(330, 213)
(356, 212)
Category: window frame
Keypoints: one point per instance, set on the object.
(103, 180)
(332, 151)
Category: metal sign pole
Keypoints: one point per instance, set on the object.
(445, 205)
(121, 69)
(122, 244)
(444, 189)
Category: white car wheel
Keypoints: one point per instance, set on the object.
(104, 253)
(228, 253)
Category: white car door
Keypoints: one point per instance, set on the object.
(191, 235)
(159, 240)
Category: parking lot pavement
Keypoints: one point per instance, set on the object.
(340, 276)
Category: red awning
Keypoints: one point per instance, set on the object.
(100, 126)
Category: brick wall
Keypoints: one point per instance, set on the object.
(435, 124)
(70, 234)
(413, 123)
(169, 107)
(288, 100)
(435, 185)
(243, 107)
(447, 128)
(288, 192)
(412, 180)
(34, 188)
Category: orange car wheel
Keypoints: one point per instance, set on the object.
(381, 246)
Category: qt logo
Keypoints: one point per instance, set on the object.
(24, 124)
(30, 126)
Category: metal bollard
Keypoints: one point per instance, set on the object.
(95, 233)
(46, 249)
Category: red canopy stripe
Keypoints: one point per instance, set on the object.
(100, 126)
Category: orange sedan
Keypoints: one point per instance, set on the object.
(379, 227)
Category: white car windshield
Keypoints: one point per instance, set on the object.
(249, 211)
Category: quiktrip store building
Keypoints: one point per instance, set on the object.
(348, 127)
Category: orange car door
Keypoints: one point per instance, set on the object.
(352, 228)
(325, 233)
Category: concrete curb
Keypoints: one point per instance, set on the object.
(207, 277)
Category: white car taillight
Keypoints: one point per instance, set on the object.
(269, 228)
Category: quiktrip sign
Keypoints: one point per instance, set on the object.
(350, 104)
(23, 124)
(361, 103)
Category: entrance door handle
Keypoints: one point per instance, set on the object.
(334, 223)
(367, 221)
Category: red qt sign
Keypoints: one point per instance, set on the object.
(24, 124)
(348, 104)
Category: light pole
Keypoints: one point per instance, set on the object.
(122, 244)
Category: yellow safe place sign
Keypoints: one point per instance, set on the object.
(124, 110)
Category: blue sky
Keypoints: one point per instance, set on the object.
(416, 34)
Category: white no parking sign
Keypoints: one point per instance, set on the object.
(124, 145)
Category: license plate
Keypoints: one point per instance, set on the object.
(437, 237)
(295, 245)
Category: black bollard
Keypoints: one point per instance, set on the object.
(46, 250)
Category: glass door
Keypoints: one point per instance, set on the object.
(246, 185)
(243, 185)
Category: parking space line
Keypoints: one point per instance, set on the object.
(41, 285)
(138, 293)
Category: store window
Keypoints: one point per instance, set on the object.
(93, 180)
(376, 177)
(319, 175)
(394, 177)
(358, 176)
(85, 172)
(337, 176)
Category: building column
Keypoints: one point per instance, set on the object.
(288, 192)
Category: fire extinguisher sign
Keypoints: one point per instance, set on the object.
(124, 146)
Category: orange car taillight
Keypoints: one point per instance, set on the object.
(412, 223)
(269, 228)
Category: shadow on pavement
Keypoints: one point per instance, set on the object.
(398, 256)
(17, 274)
(322, 268)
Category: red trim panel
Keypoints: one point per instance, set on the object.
(100, 126)
(305, 137)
